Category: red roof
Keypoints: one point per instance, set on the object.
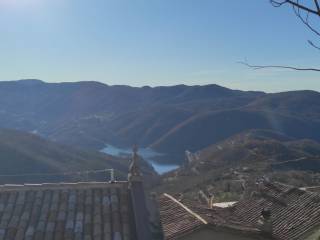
(294, 213)
(176, 219)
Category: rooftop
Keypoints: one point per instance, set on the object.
(177, 219)
(295, 213)
(94, 210)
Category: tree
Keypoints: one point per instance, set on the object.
(308, 12)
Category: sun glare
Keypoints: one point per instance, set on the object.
(19, 3)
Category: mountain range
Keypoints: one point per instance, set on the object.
(168, 119)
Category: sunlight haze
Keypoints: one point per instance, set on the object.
(155, 43)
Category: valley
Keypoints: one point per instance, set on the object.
(147, 154)
(169, 119)
(166, 122)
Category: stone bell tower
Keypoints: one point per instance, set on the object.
(134, 169)
(139, 205)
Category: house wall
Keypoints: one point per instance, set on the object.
(208, 234)
(315, 235)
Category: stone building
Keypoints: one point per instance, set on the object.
(89, 211)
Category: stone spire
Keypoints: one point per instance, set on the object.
(137, 195)
(134, 169)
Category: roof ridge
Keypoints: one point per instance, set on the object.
(66, 185)
(186, 208)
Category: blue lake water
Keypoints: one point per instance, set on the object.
(148, 154)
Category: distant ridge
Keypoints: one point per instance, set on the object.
(170, 119)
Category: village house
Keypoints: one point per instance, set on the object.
(273, 211)
(90, 211)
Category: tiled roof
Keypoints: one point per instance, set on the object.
(65, 211)
(176, 219)
(294, 213)
(179, 219)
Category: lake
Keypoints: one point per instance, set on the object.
(148, 155)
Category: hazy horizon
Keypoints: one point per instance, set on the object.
(154, 86)
(155, 43)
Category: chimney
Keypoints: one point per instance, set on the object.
(139, 205)
(265, 222)
(211, 201)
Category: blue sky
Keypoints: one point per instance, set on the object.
(155, 42)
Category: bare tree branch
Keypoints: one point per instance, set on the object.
(313, 45)
(257, 67)
(295, 4)
(305, 20)
(303, 12)
(299, 9)
(317, 5)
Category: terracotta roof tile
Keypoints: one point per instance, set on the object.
(175, 219)
(65, 211)
(295, 212)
